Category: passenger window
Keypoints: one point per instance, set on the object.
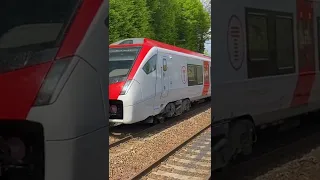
(284, 44)
(270, 43)
(258, 38)
(318, 26)
(151, 65)
(195, 74)
(165, 65)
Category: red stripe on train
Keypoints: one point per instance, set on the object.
(206, 83)
(306, 57)
(79, 27)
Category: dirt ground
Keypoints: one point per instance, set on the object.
(305, 168)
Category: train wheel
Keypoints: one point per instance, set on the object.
(239, 140)
(184, 105)
(170, 110)
(188, 105)
(241, 137)
(158, 119)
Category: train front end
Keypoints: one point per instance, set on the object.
(47, 130)
(125, 91)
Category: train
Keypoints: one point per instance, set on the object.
(54, 90)
(150, 80)
(265, 69)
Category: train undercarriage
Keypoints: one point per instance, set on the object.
(173, 109)
(235, 137)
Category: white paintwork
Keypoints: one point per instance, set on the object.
(147, 96)
(265, 99)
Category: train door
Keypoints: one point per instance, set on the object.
(306, 52)
(162, 88)
(164, 76)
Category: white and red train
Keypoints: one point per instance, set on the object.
(150, 80)
(265, 69)
(54, 90)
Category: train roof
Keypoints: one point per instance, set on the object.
(145, 41)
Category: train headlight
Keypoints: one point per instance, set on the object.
(113, 109)
(125, 87)
(17, 148)
(54, 76)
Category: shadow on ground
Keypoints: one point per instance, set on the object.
(294, 143)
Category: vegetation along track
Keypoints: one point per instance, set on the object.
(274, 149)
(195, 109)
(189, 160)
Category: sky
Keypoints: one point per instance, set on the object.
(207, 46)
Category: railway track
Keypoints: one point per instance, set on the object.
(272, 150)
(193, 111)
(189, 160)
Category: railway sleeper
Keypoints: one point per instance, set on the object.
(230, 140)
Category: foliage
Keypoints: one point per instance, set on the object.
(184, 23)
(128, 19)
(206, 52)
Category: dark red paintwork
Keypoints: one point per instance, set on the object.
(19, 89)
(206, 82)
(306, 57)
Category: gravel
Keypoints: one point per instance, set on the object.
(113, 139)
(305, 168)
(127, 159)
(173, 168)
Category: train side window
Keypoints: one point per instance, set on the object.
(151, 65)
(260, 62)
(318, 34)
(258, 44)
(270, 43)
(199, 75)
(195, 74)
(285, 45)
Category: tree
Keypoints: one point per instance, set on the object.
(205, 52)
(164, 19)
(184, 23)
(194, 24)
(128, 19)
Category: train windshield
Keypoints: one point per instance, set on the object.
(121, 61)
(31, 29)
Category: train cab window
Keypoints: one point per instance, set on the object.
(284, 45)
(31, 31)
(151, 65)
(195, 75)
(121, 61)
